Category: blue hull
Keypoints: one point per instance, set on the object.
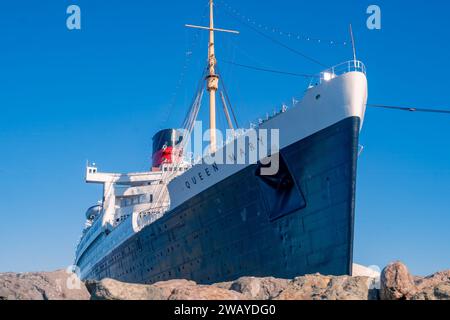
(298, 222)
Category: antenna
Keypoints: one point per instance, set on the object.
(212, 78)
(353, 44)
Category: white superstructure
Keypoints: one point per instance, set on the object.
(130, 202)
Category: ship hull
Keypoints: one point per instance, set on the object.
(246, 226)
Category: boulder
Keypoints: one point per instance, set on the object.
(257, 288)
(435, 287)
(397, 283)
(57, 285)
(109, 289)
(169, 286)
(205, 293)
(319, 287)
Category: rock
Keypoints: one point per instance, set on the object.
(205, 293)
(304, 288)
(435, 287)
(351, 288)
(169, 286)
(397, 283)
(439, 292)
(57, 285)
(223, 285)
(318, 287)
(109, 289)
(257, 288)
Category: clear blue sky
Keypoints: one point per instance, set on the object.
(101, 93)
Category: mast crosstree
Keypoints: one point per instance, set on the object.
(212, 79)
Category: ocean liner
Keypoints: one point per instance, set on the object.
(212, 222)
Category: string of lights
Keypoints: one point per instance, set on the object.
(303, 75)
(274, 30)
(281, 44)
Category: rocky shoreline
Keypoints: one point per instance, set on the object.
(394, 283)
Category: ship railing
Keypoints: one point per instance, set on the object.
(341, 69)
(324, 76)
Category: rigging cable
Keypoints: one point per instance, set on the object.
(409, 109)
(303, 75)
(290, 35)
(278, 42)
(378, 106)
(230, 105)
(387, 107)
(190, 113)
(227, 98)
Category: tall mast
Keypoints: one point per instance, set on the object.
(212, 80)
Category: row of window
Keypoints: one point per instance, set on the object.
(128, 201)
(122, 218)
(172, 169)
